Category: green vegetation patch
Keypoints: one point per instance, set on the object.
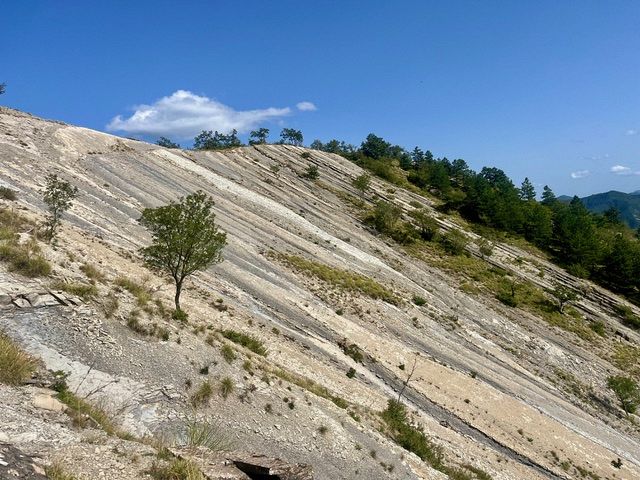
(247, 341)
(16, 366)
(341, 279)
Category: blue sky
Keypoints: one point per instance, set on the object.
(547, 89)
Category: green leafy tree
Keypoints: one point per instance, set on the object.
(291, 136)
(626, 389)
(362, 183)
(258, 137)
(185, 238)
(375, 147)
(527, 192)
(548, 197)
(563, 295)
(57, 195)
(166, 143)
(208, 140)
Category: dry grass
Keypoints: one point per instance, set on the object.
(340, 279)
(16, 366)
(141, 293)
(56, 471)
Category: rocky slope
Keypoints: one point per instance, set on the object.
(498, 388)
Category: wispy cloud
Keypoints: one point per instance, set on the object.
(306, 107)
(631, 131)
(622, 170)
(184, 114)
(580, 174)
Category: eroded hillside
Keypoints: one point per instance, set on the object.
(505, 392)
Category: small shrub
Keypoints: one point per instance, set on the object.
(110, 305)
(56, 471)
(598, 327)
(202, 395)
(268, 408)
(204, 370)
(454, 242)
(352, 350)
(311, 173)
(409, 437)
(418, 300)
(628, 317)
(351, 372)
(226, 387)
(247, 341)
(323, 429)
(180, 316)
(16, 366)
(305, 155)
(8, 194)
(626, 389)
(228, 353)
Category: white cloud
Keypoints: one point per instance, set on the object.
(580, 174)
(184, 114)
(622, 170)
(631, 131)
(306, 107)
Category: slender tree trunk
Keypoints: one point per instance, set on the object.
(178, 291)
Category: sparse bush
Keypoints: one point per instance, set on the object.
(427, 225)
(56, 471)
(409, 437)
(362, 183)
(626, 389)
(351, 372)
(8, 194)
(227, 386)
(16, 366)
(628, 317)
(385, 216)
(202, 395)
(454, 242)
(179, 315)
(323, 429)
(311, 173)
(228, 353)
(598, 327)
(110, 305)
(247, 341)
(305, 155)
(485, 248)
(563, 295)
(419, 301)
(352, 350)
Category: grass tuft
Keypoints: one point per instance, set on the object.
(16, 366)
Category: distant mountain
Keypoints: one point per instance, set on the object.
(628, 204)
